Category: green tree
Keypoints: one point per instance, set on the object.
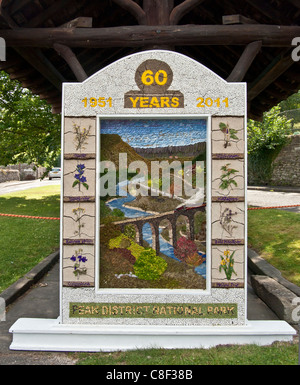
(29, 132)
(291, 103)
(265, 140)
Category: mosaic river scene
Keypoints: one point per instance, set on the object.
(152, 203)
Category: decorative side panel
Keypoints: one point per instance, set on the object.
(79, 186)
(228, 202)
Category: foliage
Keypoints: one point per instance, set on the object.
(107, 215)
(291, 103)
(227, 177)
(194, 260)
(116, 242)
(270, 133)
(29, 132)
(185, 248)
(108, 232)
(229, 133)
(78, 258)
(129, 231)
(79, 177)
(227, 263)
(149, 266)
(265, 140)
(125, 253)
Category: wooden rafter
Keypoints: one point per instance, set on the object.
(158, 11)
(182, 9)
(139, 36)
(296, 3)
(269, 75)
(72, 61)
(228, 49)
(133, 8)
(47, 13)
(35, 57)
(245, 61)
(268, 11)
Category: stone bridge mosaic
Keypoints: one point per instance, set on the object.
(155, 221)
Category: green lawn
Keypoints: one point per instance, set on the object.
(276, 354)
(24, 241)
(275, 235)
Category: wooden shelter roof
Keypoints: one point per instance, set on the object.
(50, 41)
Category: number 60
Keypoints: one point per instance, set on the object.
(160, 77)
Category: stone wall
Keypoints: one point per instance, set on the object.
(22, 171)
(286, 171)
(9, 175)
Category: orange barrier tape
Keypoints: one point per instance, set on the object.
(271, 207)
(27, 216)
(57, 219)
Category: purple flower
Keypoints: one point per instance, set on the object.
(73, 258)
(80, 168)
(82, 259)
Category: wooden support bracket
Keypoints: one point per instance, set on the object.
(245, 61)
(71, 60)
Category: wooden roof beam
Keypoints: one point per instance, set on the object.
(79, 22)
(72, 61)
(134, 9)
(182, 9)
(245, 61)
(269, 75)
(139, 36)
(47, 14)
(296, 3)
(237, 19)
(267, 10)
(39, 61)
(34, 57)
(158, 11)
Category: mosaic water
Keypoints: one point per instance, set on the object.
(150, 133)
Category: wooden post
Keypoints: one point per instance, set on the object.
(158, 11)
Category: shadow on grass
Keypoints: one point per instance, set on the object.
(48, 206)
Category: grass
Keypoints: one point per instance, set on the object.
(275, 354)
(275, 235)
(25, 242)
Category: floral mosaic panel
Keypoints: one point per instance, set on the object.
(78, 265)
(228, 220)
(79, 221)
(79, 136)
(228, 178)
(79, 177)
(227, 135)
(227, 266)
